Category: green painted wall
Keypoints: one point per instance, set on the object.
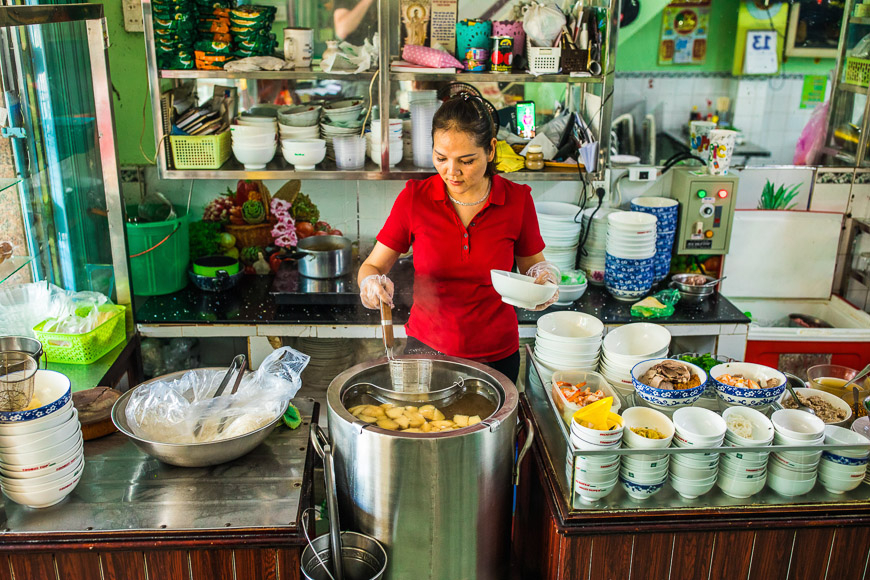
(130, 80)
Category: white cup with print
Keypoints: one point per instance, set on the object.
(699, 138)
(722, 142)
(298, 47)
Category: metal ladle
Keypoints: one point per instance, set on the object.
(800, 406)
(858, 376)
(321, 445)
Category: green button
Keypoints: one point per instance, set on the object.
(702, 193)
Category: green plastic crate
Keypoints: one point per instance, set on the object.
(84, 349)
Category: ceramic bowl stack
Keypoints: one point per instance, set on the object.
(696, 473)
(645, 467)
(303, 154)
(373, 140)
(254, 141)
(560, 226)
(844, 469)
(759, 399)
(595, 476)
(627, 345)
(41, 449)
(299, 117)
(345, 111)
(743, 474)
(666, 211)
(667, 398)
(791, 473)
(592, 257)
(629, 265)
(567, 341)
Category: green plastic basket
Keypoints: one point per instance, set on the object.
(83, 349)
(857, 72)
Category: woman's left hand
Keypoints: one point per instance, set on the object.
(544, 272)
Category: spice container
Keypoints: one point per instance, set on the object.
(535, 158)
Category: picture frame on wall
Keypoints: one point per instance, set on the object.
(805, 35)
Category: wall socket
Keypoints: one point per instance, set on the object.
(133, 16)
(642, 173)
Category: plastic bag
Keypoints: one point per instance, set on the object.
(170, 411)
(80, 314)
(350, 59)
(659, 305)
(812, 139)
(543, 24)
(23, 306)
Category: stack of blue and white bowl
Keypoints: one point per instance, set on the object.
(629, 266)
(666, 211)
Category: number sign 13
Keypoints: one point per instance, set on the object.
(761, 53)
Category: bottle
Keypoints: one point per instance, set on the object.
(535, 158)
(584, 38)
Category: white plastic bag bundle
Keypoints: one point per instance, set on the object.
(81, 314)
(350, 59)
(170, 411)
(543, 24)
(23, 306)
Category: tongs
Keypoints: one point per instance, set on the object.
(238, 365)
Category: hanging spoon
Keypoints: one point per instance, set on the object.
(800, 406)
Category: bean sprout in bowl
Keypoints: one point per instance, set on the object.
(734, 383)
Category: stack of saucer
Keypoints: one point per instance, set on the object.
(743, 474)
(629, 265)
(793, 473)
(592, 257)
(41, 449)
(627, 345)
(844, 469)
(646, 468)
(696, 427)
(666, 211)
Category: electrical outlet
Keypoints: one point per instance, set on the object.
(642, 173)
(133, 16)
(605, 183)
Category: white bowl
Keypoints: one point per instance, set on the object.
(597, 477)
(396, 153)
(788, 487)
(640, 475)
(591, 496)
(255, 158)
(46, 482)
(797, 473)
(303, 154)
(40, 439)
(796, 424)
(631, 221)
(744, 470)
(40, 469)
(606, 437)
(262, 122)
(568, 294)
(762, 428)
(300, 115)
(841, 436)
(691, 489)
(650, 462)
(740, 488)
(838, 486)
(571, 327)
(596, 461)
(45, 498)
(44, 455)
(344, 116)
(306, 132)
(250, 131)
(680, 469)
(696, 460)
(832, 400)
(556, 211)
(585, 348)
(567, 356)
(698, 426)
(637, 339)
(648, 418)
(61, 471)
(842, 471)
(519, 290)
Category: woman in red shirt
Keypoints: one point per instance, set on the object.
(462, 223)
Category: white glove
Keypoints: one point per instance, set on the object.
(375, 289)
(544, 272)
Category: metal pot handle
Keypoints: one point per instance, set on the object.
(530, 436)
(321, 445)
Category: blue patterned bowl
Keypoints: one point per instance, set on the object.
(747, 397)
(841, 460)
(663, 397)
(640, 490)
(50, 386)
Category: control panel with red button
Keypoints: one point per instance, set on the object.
(706, 211)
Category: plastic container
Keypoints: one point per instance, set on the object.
(350, 152)
(200, 152)
(422, 113)
(542, 59)
(83, 349)
(163, 269)
(594, 382)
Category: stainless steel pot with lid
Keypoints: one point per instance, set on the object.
(323, 257)
(440, 503)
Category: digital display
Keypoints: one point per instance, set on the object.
(526, 119)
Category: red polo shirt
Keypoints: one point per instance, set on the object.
(456, 310)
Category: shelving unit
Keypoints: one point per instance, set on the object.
(576, 85)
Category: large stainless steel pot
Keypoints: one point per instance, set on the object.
(323, 256)
(439, 503)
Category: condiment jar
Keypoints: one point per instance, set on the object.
(535, 158)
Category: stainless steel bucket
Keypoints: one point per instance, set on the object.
(439, 503)
(362, 558)
(23, 344)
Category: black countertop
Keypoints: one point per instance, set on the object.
(253, 302)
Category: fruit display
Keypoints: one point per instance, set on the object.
(254, 212)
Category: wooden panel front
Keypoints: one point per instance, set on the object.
(289, 564)
(5, 572)
(769, 554)
(171, 565)
(849, 554)
(77, 565)
(810, 554)
(32, 567)
(611, 556)
(652, 556)
(732, 554)
(691, 555)
(123, 566)
(208, 564)
(256, 564)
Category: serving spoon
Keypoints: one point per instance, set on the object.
(800, 407)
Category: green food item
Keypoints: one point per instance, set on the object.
(304, 210)
(254, 212)
(250, 254)
(573, 277)
(779, 198)
(204, 239)
(705, 361)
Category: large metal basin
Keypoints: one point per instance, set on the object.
(189, 454)
(439, 503)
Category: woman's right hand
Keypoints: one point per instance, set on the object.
(375, 289)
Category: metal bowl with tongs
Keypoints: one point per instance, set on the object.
(694, 292)
(339, 555)
(322, 256)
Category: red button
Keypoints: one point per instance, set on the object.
(722, 193)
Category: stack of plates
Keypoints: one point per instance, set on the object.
(744, 474)
(696, 473)
(592, 257)
(630, 260)
(560, 226)
(42, 450)
(329, 357)
(567, 341)
(792, 473)
(666, 211)
(627, 345)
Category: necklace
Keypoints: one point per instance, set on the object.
(472, 203)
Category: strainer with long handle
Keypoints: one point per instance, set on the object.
(408, 375)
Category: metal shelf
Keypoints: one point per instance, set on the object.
(12, 265)
(313, 73)
(493, 77)
(859, 20)
(852, 88)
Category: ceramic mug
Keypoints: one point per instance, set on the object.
(699, 135)
(722, 143)
(298, 46)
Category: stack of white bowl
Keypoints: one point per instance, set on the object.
(629, 266)
(627, 345)
(41, 450)
(560, 226)
(696, 427)
(422, 113)
(791, 473)
(374, 142)
(644, 471)
(567, 341)
(743, 474)
(595, 476)
(844, 469)
(303, 154)
(254, 141)
(592, 257)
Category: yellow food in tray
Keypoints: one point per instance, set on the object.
(410, 419)
(648, 432)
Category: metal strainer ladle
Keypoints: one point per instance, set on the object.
(17, 378)
(408, 375)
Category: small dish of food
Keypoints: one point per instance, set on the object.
(829, 408)
(747, 384)
(668, 383)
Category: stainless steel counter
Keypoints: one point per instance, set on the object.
(125, 490)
